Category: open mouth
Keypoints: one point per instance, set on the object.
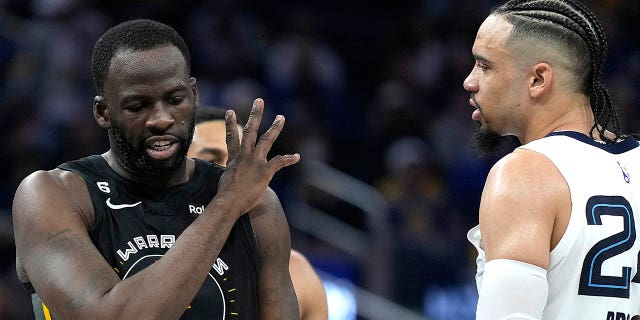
(162, 149)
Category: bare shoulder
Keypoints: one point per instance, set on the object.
(301, 270)
(43, 188)
(521, 201)
(524, 168)
(42, 201)
(312, 298)
(55, 178)
(297, 259)
(300, 267)
(525, 176)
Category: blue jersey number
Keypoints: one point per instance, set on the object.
(592, 282)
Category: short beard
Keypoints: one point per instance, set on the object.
(488, 142)
(137, 161)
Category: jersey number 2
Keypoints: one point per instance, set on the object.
(592, 282)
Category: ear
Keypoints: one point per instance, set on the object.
(194, 89)
(101, 112)
(541, 77)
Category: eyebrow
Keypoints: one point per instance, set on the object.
(481, 58)
(128, 96)
(177, 88)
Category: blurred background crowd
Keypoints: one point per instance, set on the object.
(372, 90)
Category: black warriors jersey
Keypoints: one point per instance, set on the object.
(134, 227)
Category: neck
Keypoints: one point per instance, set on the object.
(566, 113)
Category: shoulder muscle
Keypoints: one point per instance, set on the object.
(522, 197)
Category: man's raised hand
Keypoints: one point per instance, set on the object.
(248, 171)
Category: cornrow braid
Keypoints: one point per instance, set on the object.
(566, 19)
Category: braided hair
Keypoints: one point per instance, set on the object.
(574, 26)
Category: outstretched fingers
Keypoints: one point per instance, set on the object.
(267, 140)
(281, 161)
(248, 148)
(232, 135)
(250, 131)
(248, 170)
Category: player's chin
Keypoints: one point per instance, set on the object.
(485, 127)
(487, 141)
(166, 165)
(164, 169)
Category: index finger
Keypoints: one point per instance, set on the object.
(232, 139)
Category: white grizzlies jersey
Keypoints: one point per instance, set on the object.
(594, 270)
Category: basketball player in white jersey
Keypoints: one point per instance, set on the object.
(559, 216)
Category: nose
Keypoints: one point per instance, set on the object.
(470, 82)
(160, 119)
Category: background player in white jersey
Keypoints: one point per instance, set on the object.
(559, 215)
(209, 144)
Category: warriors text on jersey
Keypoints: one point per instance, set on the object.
(133, 227)
(594, 271)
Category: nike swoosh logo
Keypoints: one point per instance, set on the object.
(121, 206)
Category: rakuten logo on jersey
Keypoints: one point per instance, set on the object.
(196, 209)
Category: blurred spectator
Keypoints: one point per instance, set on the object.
(428, 235)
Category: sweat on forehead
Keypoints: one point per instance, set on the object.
(147, 66)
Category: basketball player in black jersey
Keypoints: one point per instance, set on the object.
(142, 232)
